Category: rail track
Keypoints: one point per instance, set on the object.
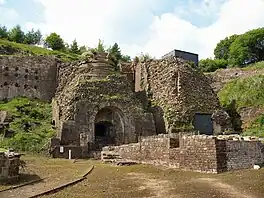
(31, 189)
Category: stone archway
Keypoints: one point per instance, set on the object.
(108, 127)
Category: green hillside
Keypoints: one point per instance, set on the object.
(246, 92)
(12, 48)
(31, 123)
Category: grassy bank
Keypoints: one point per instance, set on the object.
(23, 49)
(31, 122)
(246, 92)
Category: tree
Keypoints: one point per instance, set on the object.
(55, 42)
(3, 32)
(210, 65)
(33, 37)
(126, 58)
(247, 48)
(16, 35)
(100, 46)
(83, 49)
(115, 52)
(223, 47)
(74, 47)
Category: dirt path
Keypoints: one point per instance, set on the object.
(159, 188)
(228, 190)
(203, 187)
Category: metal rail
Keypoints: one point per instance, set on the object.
(58, 188)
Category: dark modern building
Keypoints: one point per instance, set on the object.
(185, 55)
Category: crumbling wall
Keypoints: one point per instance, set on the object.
(88, 87)
(9, 166)
(177, 88)
(200, 153)
(243, 154)
(29, 76)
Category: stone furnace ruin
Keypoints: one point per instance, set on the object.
(97, 104)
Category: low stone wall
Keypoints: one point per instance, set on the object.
(198, 153)
(9, 166)
(151, 150)
(195, 153)
(243, 154)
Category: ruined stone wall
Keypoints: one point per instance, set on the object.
(243, 154)
(179, 90)
(87, 91)
(198, 153)
(151, 150)
(29, 76)
(195, 153)
(9, 166)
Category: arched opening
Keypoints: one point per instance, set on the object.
(108, 128)
(104, 134)
(103, 128)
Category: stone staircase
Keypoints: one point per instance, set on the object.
(110, 157)
(114, 158)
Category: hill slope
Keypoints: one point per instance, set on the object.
(12, 48)
(29, 123)
(245, 88)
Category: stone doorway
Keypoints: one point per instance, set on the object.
(108, 128)
(104, 134)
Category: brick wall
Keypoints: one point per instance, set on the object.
(198, 153)
(243, 154)
(9, 166)
(30, 76)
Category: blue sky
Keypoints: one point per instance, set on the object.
(149, 26)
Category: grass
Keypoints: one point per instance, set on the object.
(140, 180)
(31, 122)
(34, 50)
(247, 92)
(3, 150)
(255, 66)
(256, 127)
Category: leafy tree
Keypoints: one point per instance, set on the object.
(115, 53)
(223, 47)
(248, 48)
(16, 34)
(210, 65)
(83, 49)
(55, 42)
(33, 37)
(74, 48)
(3, 32)
(100, 46)
(126, 58)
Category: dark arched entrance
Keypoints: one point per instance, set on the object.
(104, 134)
(108, 127)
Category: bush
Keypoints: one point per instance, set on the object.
(247, 92)
(247, 48)
(210, 65)
(31, 122)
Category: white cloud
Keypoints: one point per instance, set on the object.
(2, 2)
(7, 15)
(235, 17)
(89, 20)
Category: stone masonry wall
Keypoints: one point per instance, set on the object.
(198, 153)
(195, 153)
(243, 154)
(9, 166)
(30, 76)
(179, 90)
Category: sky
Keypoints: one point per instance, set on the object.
(138, 26)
